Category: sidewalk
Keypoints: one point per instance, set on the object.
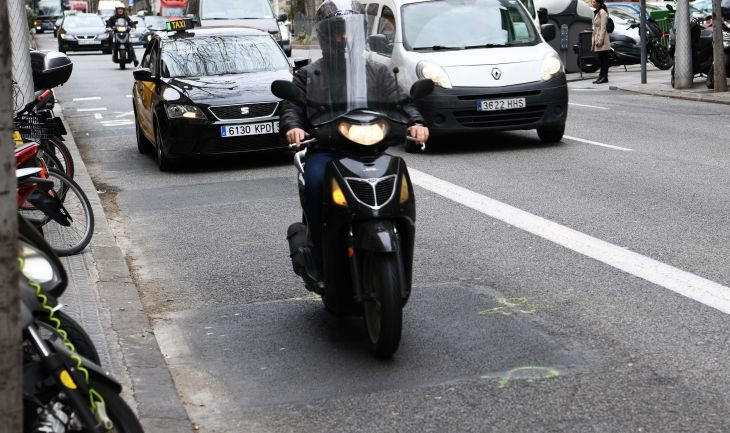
(102, 296)
(657, 84)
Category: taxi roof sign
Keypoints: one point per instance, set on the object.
(179, 25)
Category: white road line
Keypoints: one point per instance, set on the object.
(595, 143)
(98, 116)
(588, 106)
(91, 109)
(90, 98)
(583, 89)
(684, 283)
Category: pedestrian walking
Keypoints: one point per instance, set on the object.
(600, 42)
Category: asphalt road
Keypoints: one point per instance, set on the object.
(549, 303)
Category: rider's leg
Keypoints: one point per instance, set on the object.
(314, 170)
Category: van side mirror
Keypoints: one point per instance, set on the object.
(548, 32)
(421, 88)
(143, 74)
(542, 16)
(282, 17)
(379, 44)
(299, 62)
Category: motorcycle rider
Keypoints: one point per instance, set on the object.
(120, 12)
(342, 41)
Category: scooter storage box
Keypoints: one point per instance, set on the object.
(50, 68)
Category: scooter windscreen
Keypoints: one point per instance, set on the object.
(341, 79)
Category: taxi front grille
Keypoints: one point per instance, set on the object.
(505, 118)
(244, 111)
(375, 193)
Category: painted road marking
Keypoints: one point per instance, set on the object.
(128, 113)
(91, 109)
(97, 116)
(682, 282)
(588, 106)
(90, 98)
(118, 122)
(585, 89)
(595, 143)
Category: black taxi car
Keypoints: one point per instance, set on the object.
(208, 91)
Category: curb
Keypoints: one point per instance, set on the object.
(688, 96)
(144, 372)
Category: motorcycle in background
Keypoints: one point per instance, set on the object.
(122, 49)
(702, 50)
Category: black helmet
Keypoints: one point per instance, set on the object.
(337, 22)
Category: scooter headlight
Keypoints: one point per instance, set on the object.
(367, 135)
(37, 267)
(121, 29)
(433, 72)
(551, 66)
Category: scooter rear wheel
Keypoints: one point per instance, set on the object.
(383, 306)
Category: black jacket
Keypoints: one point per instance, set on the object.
(110, 22)
(382, 87)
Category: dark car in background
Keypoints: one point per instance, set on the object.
(138, 33)
(48, 12)
(208, 92)
(83, 32)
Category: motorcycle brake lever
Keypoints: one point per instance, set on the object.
(423, 146)
(302, 144)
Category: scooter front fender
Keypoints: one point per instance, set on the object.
(378, 236)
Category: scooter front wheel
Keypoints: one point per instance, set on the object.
(122, 59)
(383, 305)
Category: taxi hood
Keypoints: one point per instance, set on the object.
(229, 89)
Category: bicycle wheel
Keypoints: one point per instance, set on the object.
(58, 148)
(67, 240)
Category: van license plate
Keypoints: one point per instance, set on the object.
(501, 104)
(250, 129)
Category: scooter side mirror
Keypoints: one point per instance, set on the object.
(548, 32)
(542, 16)
(421, 88)
(286, 90)
(143, 74)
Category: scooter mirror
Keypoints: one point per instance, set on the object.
(285, 90)
(421, 88)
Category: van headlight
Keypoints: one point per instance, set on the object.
(551, 66)
(434, 72)
(367, 135)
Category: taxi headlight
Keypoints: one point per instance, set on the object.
(175, 111)
(551, 66)
(433, 72)
(366, 135)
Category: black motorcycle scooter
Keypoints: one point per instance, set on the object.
(368, 221)
(122, 47)
(702, 51)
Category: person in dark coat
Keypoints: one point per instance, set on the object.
(327, 83)
(121, 13)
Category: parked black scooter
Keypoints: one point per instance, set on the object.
(368, 219)
(702, 51)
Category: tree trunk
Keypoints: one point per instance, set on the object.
(10, 355)
(720, 78)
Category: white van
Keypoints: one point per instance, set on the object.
(106, 8)
(491, 65)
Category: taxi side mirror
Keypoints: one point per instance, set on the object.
(143, 74)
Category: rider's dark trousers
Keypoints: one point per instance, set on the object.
(314, 191)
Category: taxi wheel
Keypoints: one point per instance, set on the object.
(143, 144)
(163, 162)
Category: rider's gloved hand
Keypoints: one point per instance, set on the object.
(295, 136)
(419, 132)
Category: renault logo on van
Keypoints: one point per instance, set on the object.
(496, 73)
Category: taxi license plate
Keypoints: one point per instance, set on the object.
(250, 129)
(88, 42)
(501, 104)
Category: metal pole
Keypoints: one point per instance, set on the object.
(683, 53)
(10, 350)
(642, 36)
(718, 51)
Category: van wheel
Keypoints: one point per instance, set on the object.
(552, 134)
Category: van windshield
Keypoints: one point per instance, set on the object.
(464, 24)
(235, 9)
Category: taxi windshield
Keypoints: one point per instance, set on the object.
(221, 55)
(470, 24)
